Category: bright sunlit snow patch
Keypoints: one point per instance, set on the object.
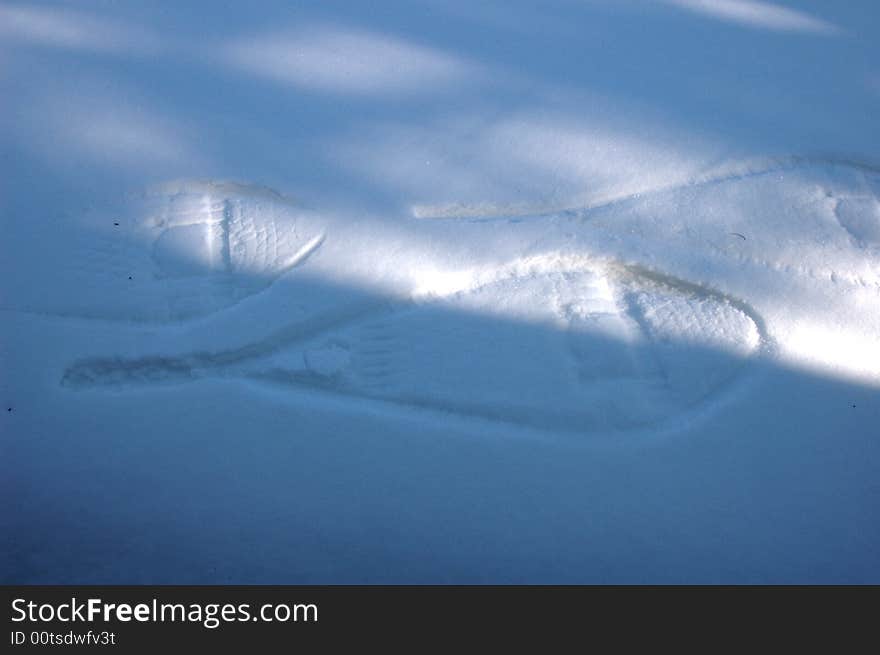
(431, 281)
(847, 354)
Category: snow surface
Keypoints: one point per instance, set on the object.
(440, 292)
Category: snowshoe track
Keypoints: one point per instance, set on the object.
(182, 251)
(611, 348)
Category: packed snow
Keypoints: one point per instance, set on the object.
(441, 292)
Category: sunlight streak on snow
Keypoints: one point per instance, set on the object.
(524, 162)
(758, 14)
(89, 123)
(349, 61)
(61, 28)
